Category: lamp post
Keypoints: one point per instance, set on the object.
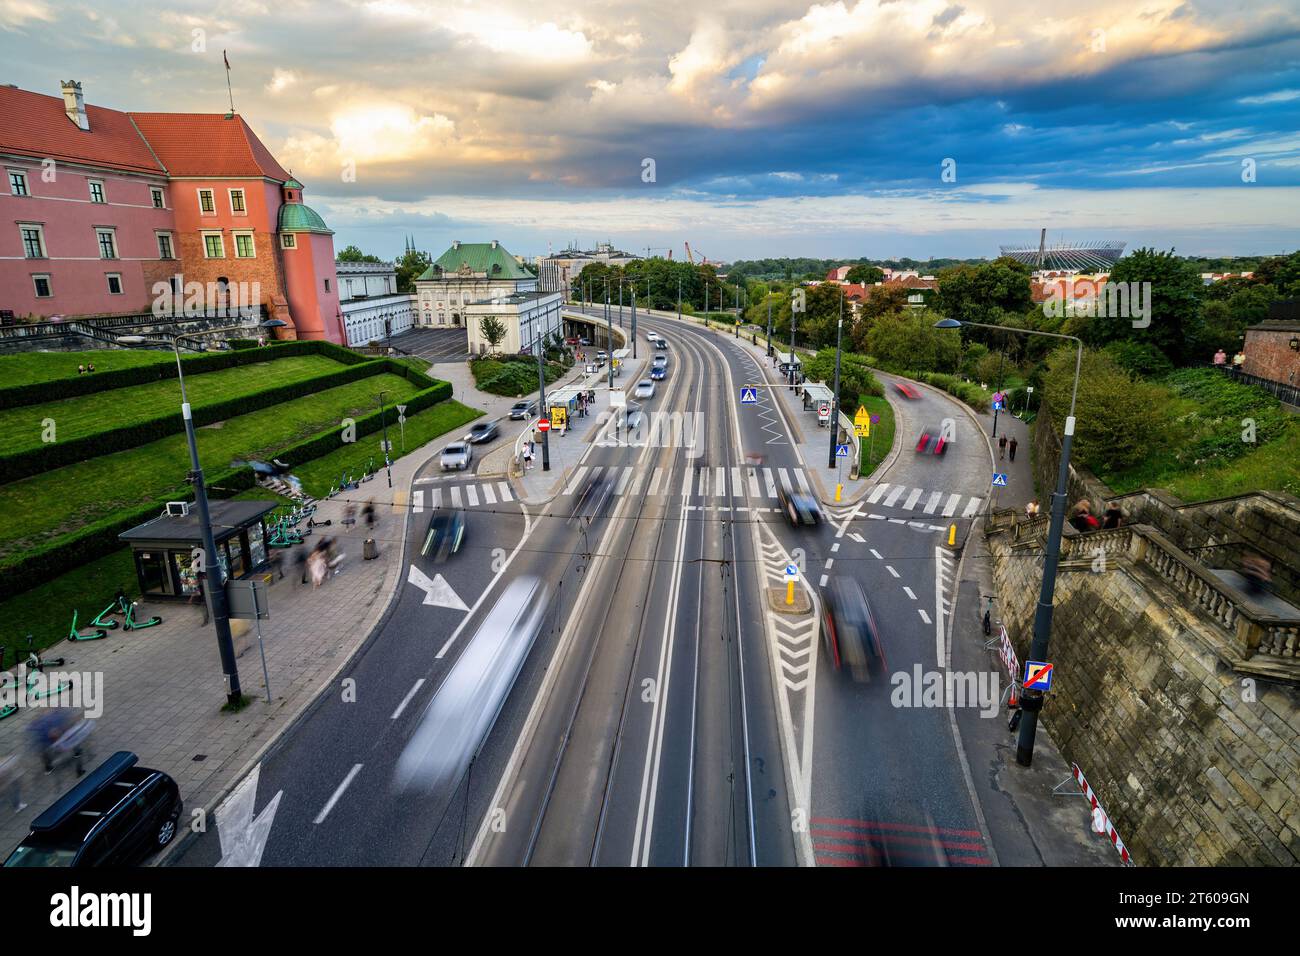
(792, 372)
(835, 396)
(609, 340)
(1002, 354)
(633, 322)
(679, 298)
(383, 421)
(212, 569)
(1031, 700)
(769, 327)
(541, 403)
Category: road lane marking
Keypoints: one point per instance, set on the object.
(932, 505)
(890, 569)
(912, 499)
(822, 582)
(435, 500)
(737, 483)
(472, 493)
(686, 482)
(771, 484)
(418, 502)
(951, 507)
(720, 483)
(910, 593)
(879, 556)
(654, 481)
(636, 483)
(941, 571)
(971, 507)
(504, 488)
(577, 480)
(894, 496)
(858, 538)
(320, 817)
(753, 484)
(623, 480)
(785, 478)
(835, 547)
(407, 699)
(925, 617)
(830, 562)
(876, 493)
(489, 496)
(455, 497)
(803, 481)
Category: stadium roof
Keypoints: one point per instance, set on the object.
(1079, 256)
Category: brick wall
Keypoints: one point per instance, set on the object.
(1269, 355)
(1196, 762)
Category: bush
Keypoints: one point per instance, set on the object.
(855, 375)
(1140, 358)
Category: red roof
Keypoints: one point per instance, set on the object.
(33, 124)
(913, 282)
(208, 144)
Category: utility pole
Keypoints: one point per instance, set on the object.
(769, 327)
(541, 404)
(609, 339)
(1001, 356)
(383, 420)
(679, 298)
(620, 302)
(835, 395)
(633, 322)
(736, 326)
(792, 371)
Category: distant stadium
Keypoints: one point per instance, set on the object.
(1074, 256)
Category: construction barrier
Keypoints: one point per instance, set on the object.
(1010, 662)
(1104, 822)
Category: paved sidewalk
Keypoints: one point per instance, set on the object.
(163, 689)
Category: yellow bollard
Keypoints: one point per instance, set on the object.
(789, 592)
(952, 535)
(839, 489)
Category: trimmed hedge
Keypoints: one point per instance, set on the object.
(35, 393)
(33, 461)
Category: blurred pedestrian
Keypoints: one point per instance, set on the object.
(1082, 518)
(11, 780)
(1011, 447)
(81, 370)
(90, 368)
(368, 512)
(349, 516)
(1113, 516)
(1031, 509)
(1258, 572)
(1220, 358)
(317, 567)
(300, 559)
(1002, 446)
(276, 561)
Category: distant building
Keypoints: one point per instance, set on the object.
(105, 208)
(1272, 347)
(839, 274)
(558, 271)
(372, 307)
(466, 273)
(525, 315)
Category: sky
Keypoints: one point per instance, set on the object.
(749, 128)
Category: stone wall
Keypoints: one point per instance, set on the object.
(1081, 483)
(85, 334)
(1189, 734)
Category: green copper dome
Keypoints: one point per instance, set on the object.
(295, 217)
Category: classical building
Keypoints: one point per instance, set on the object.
(105, 213)
(372, 307)
(523, 315)
(558, 271)
(466, 273)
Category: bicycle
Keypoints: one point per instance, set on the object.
(98, 634)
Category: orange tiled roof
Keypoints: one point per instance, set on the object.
(33, 124)
(207, 144)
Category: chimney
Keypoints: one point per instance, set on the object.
(494, 243)
(73, 104)
(455, 243)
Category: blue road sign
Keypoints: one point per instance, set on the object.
(749, 396)
(841, 451)
(791, 572)
(1038, 675)
(997, 406)
(999, 479)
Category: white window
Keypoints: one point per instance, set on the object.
(288, 241)
(157, 194)
(244, 245)
(107, 243)
(207, 205)
(237, 202)
(165, 250)
(41, 283)
(33, 236)
(114, 283)
(214, 246)
(96, 190)
(18, 182)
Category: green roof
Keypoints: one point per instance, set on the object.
(295, 217)
(293, 184)
(483, 258)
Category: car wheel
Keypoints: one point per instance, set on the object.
(167, 832)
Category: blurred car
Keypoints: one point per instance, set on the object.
(444, 537)
(631, 417)
(644, 389)
(658, 374)
(593, 498)
(661, 343)
(601, 355)
(932, 441)
(521, 410)
(799, 508)
(117, 815)
(848, 628)
(659, 361)
(907, 390)
(456, 456)
(482, 432)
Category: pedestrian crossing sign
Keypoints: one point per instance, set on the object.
(841, 451)
(748, 395)
(999, 479)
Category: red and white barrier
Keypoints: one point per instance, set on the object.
(1104, 822)
(1009, 661)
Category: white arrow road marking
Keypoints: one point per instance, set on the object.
(437, 592)
(243, 838)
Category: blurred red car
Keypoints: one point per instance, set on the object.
(907, 390)
(933, 442)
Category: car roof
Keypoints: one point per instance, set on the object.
(72, 818)
(85, 791)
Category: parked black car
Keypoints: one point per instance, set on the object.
(117, 815)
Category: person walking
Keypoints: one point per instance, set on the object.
(1082, 518)
(1113, 516)
(349, 516)
(1002, 446)
(1220, 358)
(1031, 509)
(317, 566)
(11, 780)
(368, 513)
(1011, 447)
(300, 560)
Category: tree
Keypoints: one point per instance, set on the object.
(353, 254)
(1171, 287)
(908, 341)
(983, 293)
(865, 275)
(493, 329)
(409, 268)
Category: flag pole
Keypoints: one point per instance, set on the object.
(229, 91)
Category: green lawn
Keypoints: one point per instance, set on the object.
(46, 611)
(43, 506)
(32, 367)
(876, 447)
(21, 428)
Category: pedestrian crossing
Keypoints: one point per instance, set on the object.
(939, 503)
(461, 496)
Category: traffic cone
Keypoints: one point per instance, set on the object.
(1012, 700)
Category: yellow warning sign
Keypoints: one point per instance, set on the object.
(864, 430)
(559, 416)
(861, 417)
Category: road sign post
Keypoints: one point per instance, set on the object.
(247, 601)
(401, 420)
(791, 575)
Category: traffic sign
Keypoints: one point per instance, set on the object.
(824, 411)
(792, 572)
(1038, 675)
(864, 431)
(749, 396)
(861, 417)
(999, 479)
(544, 425)
(875, 419)
(841, 451)
(997, 406)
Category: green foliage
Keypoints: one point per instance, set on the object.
(353, 254)
(493, 329)
(855, 375)
(992, 369)
(908, 341)
(1119, 419)
(511, 375)
(865, 274)
(410, 267)
(1140, 358)
(982, 293)
(1175, 302)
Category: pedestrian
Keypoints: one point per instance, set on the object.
(316, 567)
(528, 455)
(11, 780)
(349, 516)
(1113, 516)
(300, 559)
(1258, 572)
(1239, 359)
(1031, 509)
(91, 368)
(1220, 357)
(1082, 517)
(1011, 447)
(1002, 446)
(81, 370)
(368, 512)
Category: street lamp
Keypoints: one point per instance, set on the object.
(211, 565)
(835, 396)
(541, 404)
(1032, 701)
(383, 421)
(769, 327)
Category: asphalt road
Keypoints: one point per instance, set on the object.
(663, 717)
